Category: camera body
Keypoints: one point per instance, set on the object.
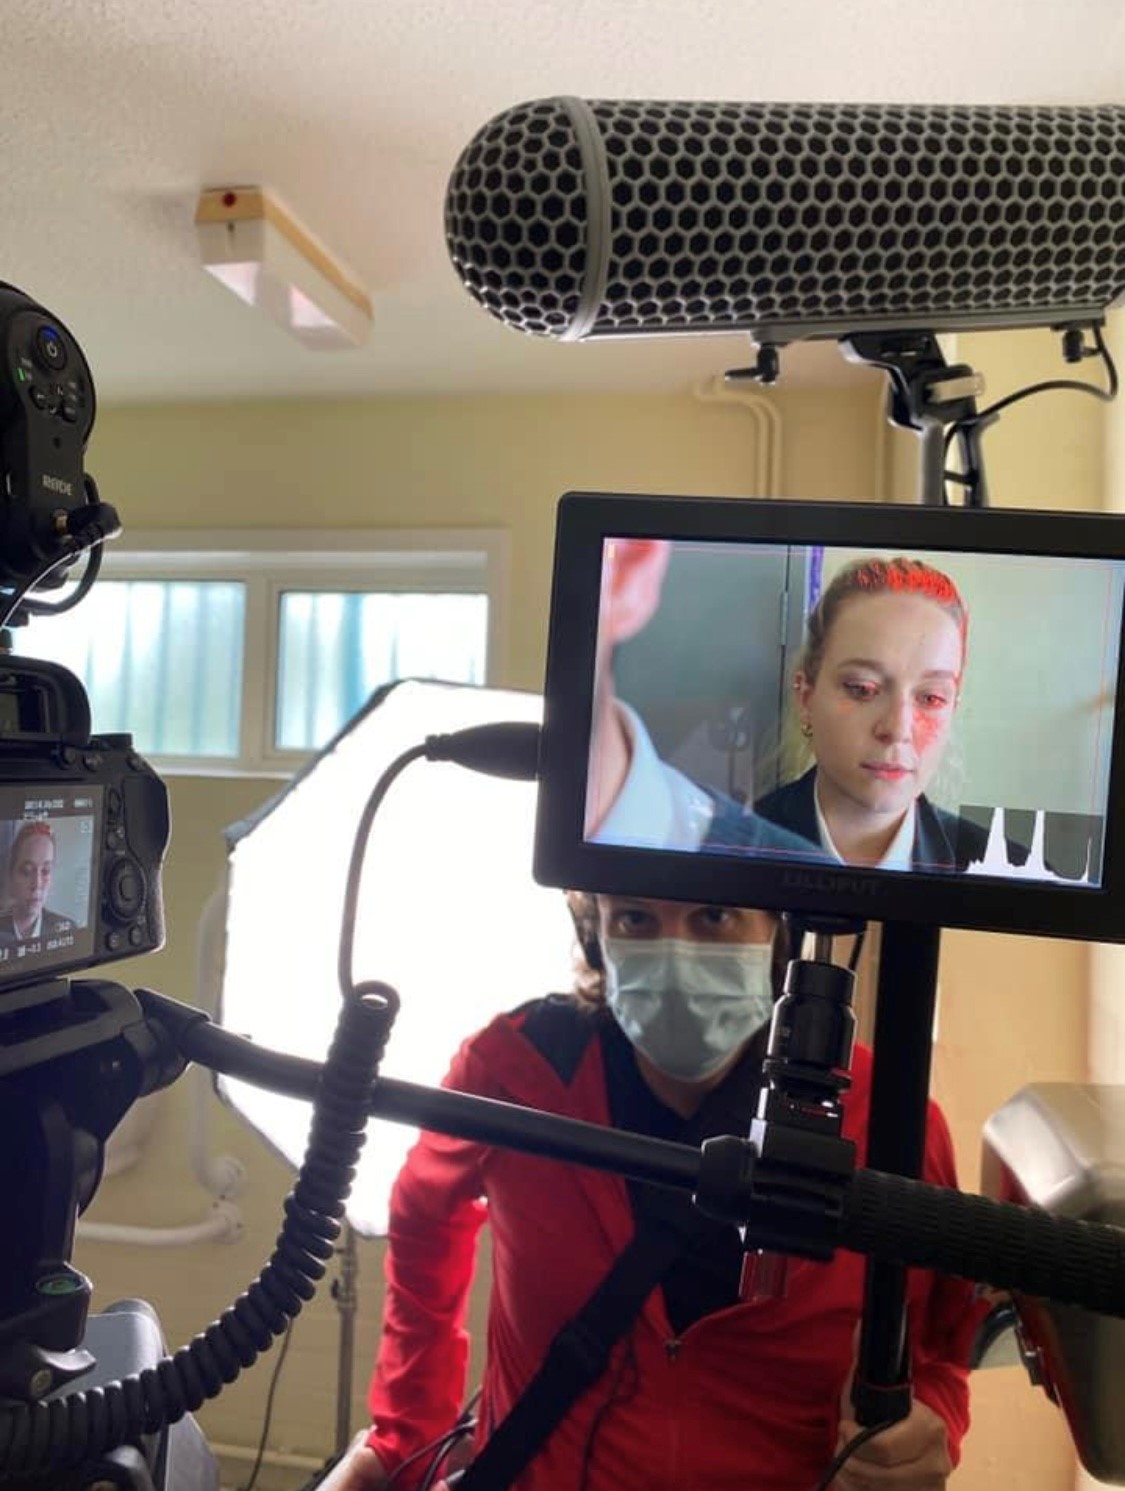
(83, 818)
(84, 827)
(47, 407)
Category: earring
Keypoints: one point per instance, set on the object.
(806, 730)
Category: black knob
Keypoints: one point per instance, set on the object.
(48, 348)
(125, 889)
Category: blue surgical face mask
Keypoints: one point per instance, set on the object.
(687, 1005)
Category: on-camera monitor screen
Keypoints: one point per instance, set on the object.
(891, 711)
(48, 844)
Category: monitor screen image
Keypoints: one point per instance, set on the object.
(843, 696)
(48, 860)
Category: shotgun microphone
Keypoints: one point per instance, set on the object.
(572, 218)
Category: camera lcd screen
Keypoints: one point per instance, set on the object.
(48, 845)
(889, 711)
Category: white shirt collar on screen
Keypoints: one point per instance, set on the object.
(900, 851)
(657, 805)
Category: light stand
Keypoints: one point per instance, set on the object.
(896, 1143)
(927, 396)
(346, 1295)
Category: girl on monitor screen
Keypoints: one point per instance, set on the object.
(31, 863)
(876, 689)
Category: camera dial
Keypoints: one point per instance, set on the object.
(48, 348)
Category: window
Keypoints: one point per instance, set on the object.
(247, 652)
(337, 647)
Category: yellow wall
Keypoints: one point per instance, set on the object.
(1107, 963)
(461, 462)
(501, 463)
(390, 463)
(1015, 1009)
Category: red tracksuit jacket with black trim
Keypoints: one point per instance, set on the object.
(745, 1399)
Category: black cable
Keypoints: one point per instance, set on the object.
(462, 1431)
(249, 1486)
(1052, 385)
(504, 748)
(466, 1424)
(20, 596)
(67, 1432)
(507, 749)
(1049, 385)
(355, 868)
(81, 590)
(90, 526)
(856, 1442)
(441, 1446)
(857, 949)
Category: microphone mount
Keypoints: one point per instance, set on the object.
(928, 396)
(766, 368)
(937, 400)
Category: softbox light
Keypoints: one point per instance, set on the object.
(448, 912)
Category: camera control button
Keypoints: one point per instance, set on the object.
(125, 890)
(91, 761)
(136, 936)
(37, 396)
(113, 803)
(49, 349)
(115, 942)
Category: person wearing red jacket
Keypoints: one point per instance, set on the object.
(707, 1390)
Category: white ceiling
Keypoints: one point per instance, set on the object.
(115, 113)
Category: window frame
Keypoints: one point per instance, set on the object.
(270, 561)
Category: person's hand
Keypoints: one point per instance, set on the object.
(912, 1455)
(360, 1469)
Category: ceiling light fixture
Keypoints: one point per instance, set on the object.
(254, 245)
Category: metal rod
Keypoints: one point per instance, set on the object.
(931, 432)
(346, 1295)
(896, 1145)
(904, 1221)
(461, 1115)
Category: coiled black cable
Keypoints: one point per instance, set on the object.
(64, 1433)
(58, 1436)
